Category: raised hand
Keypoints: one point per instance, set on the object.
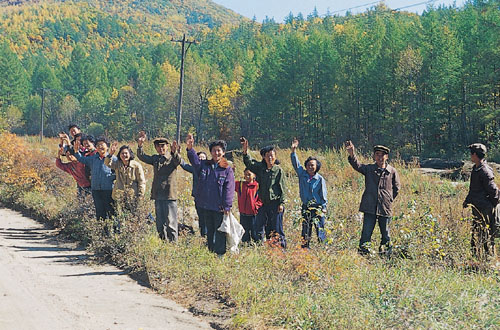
(113, 148)
(64, 138)
(174, 147)
(189, 141)
(295, 144)
(349, 147)
(142, 138)
(76, 146)
(244, 144)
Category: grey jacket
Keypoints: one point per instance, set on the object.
(381, 187)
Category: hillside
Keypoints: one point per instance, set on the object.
(53, 27)
(425, 85)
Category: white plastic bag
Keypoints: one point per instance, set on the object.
(234, 231)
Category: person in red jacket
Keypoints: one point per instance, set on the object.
(77, 171)
(248, 204)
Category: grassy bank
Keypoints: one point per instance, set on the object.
(432, 282)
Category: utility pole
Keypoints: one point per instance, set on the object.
(42, 108)
(41, 115)
(181, 84)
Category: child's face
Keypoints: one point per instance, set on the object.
(270, 158)
(202, 156)
(249, 176)
(311, 167)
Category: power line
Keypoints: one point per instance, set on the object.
(377, 2)
(415, 4)
(347, 9)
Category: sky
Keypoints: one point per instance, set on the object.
(279, 9)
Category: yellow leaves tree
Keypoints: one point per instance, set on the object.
(224, 105)
(15, 168)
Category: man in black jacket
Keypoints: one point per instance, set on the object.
(483, 197)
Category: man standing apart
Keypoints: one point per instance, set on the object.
(164, 187)
(381, 188)
(484, 197)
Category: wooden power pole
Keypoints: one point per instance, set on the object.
(42, 108)
(183, 41)
(42, 114)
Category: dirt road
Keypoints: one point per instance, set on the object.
(46, 284)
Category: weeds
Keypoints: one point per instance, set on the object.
(431, 281)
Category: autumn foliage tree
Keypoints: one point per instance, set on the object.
(425, 84)
(224, 105)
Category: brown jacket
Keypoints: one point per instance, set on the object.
(483, 192)
(129, 180)
(164, 185)
(380, 188)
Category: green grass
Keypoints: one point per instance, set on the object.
(437, 284)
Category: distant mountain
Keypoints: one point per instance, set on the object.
(53, 27)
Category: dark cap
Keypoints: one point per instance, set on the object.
(159, 141)
(477, 147)
(381, 148)
(265, 150)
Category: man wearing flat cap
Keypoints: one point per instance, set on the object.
(381, 188)
(483, 197)
(164, 187)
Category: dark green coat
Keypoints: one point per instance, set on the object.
(271, 181)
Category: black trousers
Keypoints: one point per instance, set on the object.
(483, 232)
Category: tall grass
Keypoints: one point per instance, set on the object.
(431, 282)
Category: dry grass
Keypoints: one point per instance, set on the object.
(432, 281)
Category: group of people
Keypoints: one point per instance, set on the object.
(261, 195)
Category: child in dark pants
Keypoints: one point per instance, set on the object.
(312, 187)
(248, 204)
(189, 168)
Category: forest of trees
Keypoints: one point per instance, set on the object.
(426, 85)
